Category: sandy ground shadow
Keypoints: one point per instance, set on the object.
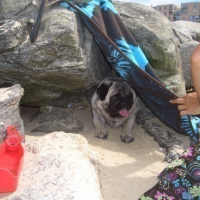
(126, 170)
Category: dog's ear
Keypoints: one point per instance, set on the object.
(102, 90)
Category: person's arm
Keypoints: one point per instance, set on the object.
(189, 104)
(195, 69)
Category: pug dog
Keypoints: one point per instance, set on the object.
(116, 103)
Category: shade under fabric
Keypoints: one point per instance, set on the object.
(127, 59)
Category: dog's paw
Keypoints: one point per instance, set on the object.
(102, 135)
(127, 138)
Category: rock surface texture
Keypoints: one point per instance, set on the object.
(65, 63)
(191, 29)
(56, 119)
(58, 166)
(9, 110)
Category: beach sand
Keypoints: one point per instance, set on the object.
(126, 170)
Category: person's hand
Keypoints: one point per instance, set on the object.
(189, 104)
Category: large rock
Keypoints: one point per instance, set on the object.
(182, 37)
(56, 119)
(191, 29)
(58, 166)
(16, 10)
(65, 62)
(9, 110)
(154, 34)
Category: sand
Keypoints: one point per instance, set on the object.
(126, 170)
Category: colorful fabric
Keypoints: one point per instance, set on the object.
(180, 180)
(128, 60)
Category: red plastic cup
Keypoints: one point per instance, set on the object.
(12, 143)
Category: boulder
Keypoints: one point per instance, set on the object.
(154, 34)
(65, 64)
(191, 29)
(58, 166)
(56, 119)
(182, 37)
(17, 10)
(9, 110)
(64, 61)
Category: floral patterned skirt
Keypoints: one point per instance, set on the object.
(180, 180)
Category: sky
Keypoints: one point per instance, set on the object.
(159, 2)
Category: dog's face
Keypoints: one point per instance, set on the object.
(114, 102)
(116, 96)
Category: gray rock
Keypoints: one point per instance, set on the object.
(56, 119)
(182, 37)
(186, 50)
(16, 10)
(173, 83)
(9, 110)
(58, 166)
(11, 34)
(154, 34)
(189, 28)
(63, 63)
(143, 115)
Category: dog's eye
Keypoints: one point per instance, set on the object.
(115, 97)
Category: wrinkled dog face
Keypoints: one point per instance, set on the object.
(115, 102)
(117, 98)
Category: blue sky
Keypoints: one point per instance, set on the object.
(159, 2)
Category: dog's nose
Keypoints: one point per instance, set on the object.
(124, 103)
